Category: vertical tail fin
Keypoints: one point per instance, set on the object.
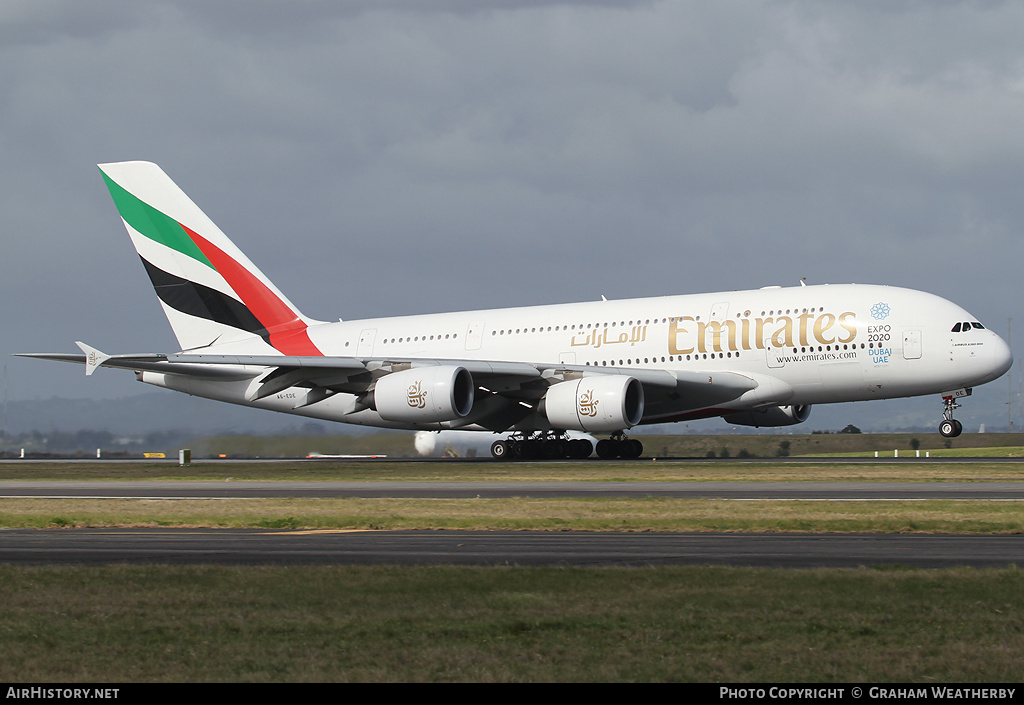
(209, 290)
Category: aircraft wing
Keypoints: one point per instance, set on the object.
(516, 380)
(510, 390)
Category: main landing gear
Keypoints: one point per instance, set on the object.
(618, 446)
(542, 446)
(552, 445)
(950, 427)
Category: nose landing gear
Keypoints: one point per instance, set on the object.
(950, 427)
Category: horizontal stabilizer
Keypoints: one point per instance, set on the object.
(152, 362)
(93, 357)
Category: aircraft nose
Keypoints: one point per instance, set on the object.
(999, 359)
(1002, 358)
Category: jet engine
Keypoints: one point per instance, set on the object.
(597, 403)
(425, 394)
(771, 416)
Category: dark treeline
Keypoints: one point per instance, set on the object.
(86, 441)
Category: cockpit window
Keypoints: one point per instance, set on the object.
(965, 326)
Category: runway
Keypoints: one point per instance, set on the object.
(577, 548)
(490, 548)
(834, 491)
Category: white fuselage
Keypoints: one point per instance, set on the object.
(801, 345)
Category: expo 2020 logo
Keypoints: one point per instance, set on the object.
(880, 311)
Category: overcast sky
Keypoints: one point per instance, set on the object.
(384, 158)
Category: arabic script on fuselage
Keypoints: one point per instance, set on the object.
(687, 334)
(600, 337)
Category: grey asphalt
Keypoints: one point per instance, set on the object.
(838, 491)
(525, 548)
(237, 546)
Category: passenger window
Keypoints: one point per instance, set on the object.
(956, 328)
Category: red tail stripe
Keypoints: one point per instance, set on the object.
(287, 331)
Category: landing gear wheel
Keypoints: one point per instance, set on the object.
(582, 448)
(625, 448)
(550, 450)
(606, 449)
(951, 428)
(551, 445)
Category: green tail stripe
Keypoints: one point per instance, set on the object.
(154, 224)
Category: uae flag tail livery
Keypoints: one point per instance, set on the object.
(210, 291)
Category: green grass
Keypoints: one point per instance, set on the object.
(651, 514)
(764, 445)
(518, 513)
(883, 469)
(117, 624)
(981, 452)
(443, 624)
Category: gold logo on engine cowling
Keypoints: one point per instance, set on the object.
(417, 397)
(588, 404)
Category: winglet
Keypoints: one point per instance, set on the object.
(93, 357)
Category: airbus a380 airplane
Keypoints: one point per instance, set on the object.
(755, 358)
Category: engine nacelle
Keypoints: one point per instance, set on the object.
(425, 394)
(597, 403)
(771, 416)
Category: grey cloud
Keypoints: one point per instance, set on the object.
(385, 158)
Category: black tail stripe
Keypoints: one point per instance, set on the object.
(203, 302)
